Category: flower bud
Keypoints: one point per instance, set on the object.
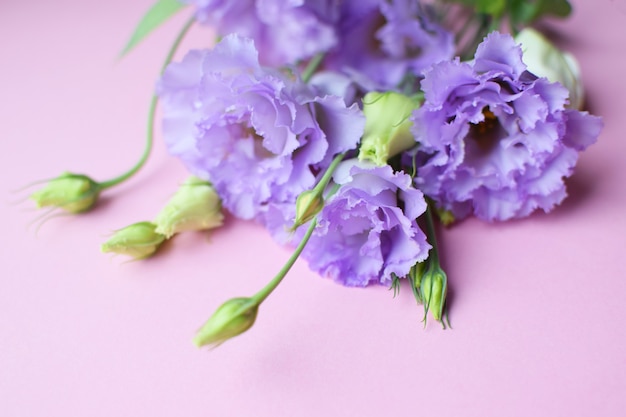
(545, 60)
(139, 240)
(387, 126)
(433, 290)
(308, 204)
(231, 319)
(195, 206)
(415, 278)
(73, 193)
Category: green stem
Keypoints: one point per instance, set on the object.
(271, 286)
(151, 114)
(432, 237)
(314, 63)
(321, 186)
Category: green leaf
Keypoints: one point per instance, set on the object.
(524, 12)
(159, 13)
(559, 8)
(494, 8)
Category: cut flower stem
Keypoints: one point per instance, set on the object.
(271, 286)
(151, 113)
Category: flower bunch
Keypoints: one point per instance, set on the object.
(350, 128)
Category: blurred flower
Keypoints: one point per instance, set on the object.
(387, 126)
(139, 240)
(545, 60)
(495, 140)
(231, 319)
(367, 230)
(195, 206)
(381, 42)
(74, 193)
(284, 31)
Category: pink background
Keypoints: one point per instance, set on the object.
(537, 305)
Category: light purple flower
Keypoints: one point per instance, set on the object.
(284, 31)
(367, 231)
(257, 135)
(381, 42)
(495, 140)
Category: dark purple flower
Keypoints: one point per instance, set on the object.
(367, 231)
(284, 31)
(495, 140)
(257, 135)
(380, 42)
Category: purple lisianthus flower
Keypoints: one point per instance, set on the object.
(258, 136)
(495, 140)
(380, 42)
(284, 31)
(367, 231)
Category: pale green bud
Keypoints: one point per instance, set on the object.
(74, 193)
(195, 206)
(139, 240)
(545, 60)
(445, 216)
(415, 278)
(308, 204)
(433, 290)
(231, 319)
(387, 126)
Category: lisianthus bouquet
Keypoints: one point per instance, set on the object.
(350, 129)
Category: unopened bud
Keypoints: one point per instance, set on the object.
(195, 206)
(231, 319)
(139, 240)
(73, 193)
(308, 204)
(433, 289)
(415, 278)
(387, 126)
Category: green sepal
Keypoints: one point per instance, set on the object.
(158, 13)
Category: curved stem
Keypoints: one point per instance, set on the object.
(151, 114)
(271, 286)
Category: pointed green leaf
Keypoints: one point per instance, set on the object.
(524, 12)
(159, 13)
(559, 8)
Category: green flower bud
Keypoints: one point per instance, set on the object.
(231, 319)
(445, 216)
(415, 278)
(195, 206)
(139, 240)
(545, 60)
(308, 204)
(73, 193)
(387, 126)
(433, 290)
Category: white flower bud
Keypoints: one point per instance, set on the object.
(387, 126)
(545, 60)
(195, 206)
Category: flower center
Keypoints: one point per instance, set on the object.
(487, 133)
